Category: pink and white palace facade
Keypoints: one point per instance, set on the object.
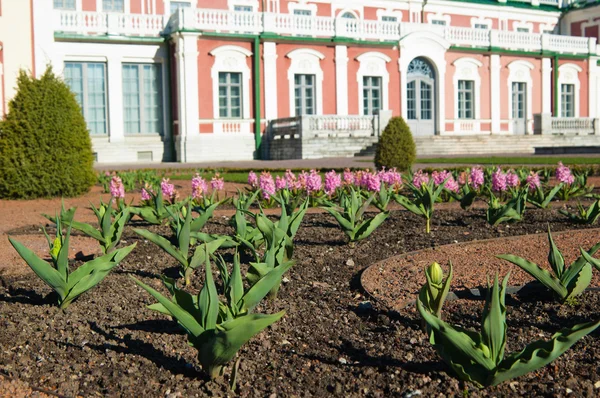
(200, 80)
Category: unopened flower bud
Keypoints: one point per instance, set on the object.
(485, 350)
(55, 248)
(436, 274)
(184, 211)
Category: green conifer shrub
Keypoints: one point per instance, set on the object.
(396, 146)
(45, 146)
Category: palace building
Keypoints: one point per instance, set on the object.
(199, 80)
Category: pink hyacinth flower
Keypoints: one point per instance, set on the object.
(217, 183)
(117, 190)
(199, 187)
(313, 182)
(280, 183)
(499, 181)
(252, 179)
(266, 184)
(477, 177)
(512, 179)
(168, 189)
(420, 178)
(348, 177)
(332, 182)
(563, 174)
(533, 181)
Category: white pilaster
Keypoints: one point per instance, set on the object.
(495, 92)
(594, 87)
(43, 35)
(187, 90)
(341, 79)
(270, 65)
(114, 71)
(546, 85)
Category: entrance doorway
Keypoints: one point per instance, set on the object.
(519, 108)
(421, 97)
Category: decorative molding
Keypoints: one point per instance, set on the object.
(569, 74)
(467, 68)
(481, 21)
(389, 13)
(252, 3)
(521, 24)
(438, 17)
(302, 5)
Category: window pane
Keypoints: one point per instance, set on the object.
(304, 91)
(175, 5)
(96, 97)
(230, 95)
(74, 79)
(302, 12)
(64, 4)
(388, 18)
(411, 101)
(113, 5)
(243, 8)
(131, 98)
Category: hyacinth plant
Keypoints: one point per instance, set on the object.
(153, 209)
(511, 211)
(56, 274)
(425, 195)
(573, 185)
(183, 237)
(350, 214)
(479, 357)
(434, 292)
(567, 282)
(583, 215)
(215, 327)
(538, 195)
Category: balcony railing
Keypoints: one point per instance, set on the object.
(225, 21)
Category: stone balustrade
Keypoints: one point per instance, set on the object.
(545, 123)
(240, 22)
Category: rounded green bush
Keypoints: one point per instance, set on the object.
(396, 146)
(45, 147)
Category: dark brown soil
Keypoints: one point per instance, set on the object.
(331, 341)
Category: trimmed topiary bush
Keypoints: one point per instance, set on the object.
(45, 147)
(396, 146)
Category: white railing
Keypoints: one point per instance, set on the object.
(228, 21)
(84, 22)
(229, 126)
(571, 125)
(550, 3)
(299, 25)
(339, 123)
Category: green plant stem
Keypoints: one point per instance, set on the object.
(427, 228)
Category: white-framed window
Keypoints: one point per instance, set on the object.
(568, 80)
(88, 81)
(373, 82)
(142, 99)
(467, 88)
(389, 15)
(438, 19)
(466, 98)
(243, 5)
(481, 23)
(567, 100)
(303, 11)
(348, 15)
(520, 84)
(230, 75)
(389, 18)
(481, 26)
(65, 5)
(176, 5)
(523, 27)
(304, 94)
(306, 62)
(113, 6)
(547, 29)
(230, 95)
(371, 94)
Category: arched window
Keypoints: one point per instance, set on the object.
(305, 79)
(467, 88)
(568, 83)
(348, 15)
(373, 82)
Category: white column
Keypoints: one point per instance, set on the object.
(594, 87)
(187, 91)
(495, 92)
(341, 80)
(546, 85)
(44, 16)
(114, 73)
(270, 65)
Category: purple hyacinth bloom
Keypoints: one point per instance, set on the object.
(563, 174)
(313, 182)
(512, 179)
(477, 177)
(451, 184)
(348, 177)
(372, 182)
(280, 183)
(533, 181)
(499, 181)
(420, 178)
(117, 190)
(440, 176)
(390, 177)
(199, 187)
(252, 179)
(332, 182)
(168, 189)
(217, 183)
(266, 184)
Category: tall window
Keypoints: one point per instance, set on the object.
(304, 90)
(142, 98)
(567, 100)
(371, 94)
(175, 5)
(113, 5)
(88, 81)
(230, 95)
(411, 101)
(64, 4)
(466, 94)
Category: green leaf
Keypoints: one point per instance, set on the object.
(555, 257)
(408, 205)
(203, 218)
(211, 306)
(493, 330)
(88, 230)
(185, 319)
(551, 195)
(261, 288)
(367, 227)
(87, 282)
(42, 269)
(344, 223)
(236, 284)
(164, 244)
(588, 257)
(541, 353)
(538, 273)
(578, 284)
(200, 252)
(99, 263)
(217, 347)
